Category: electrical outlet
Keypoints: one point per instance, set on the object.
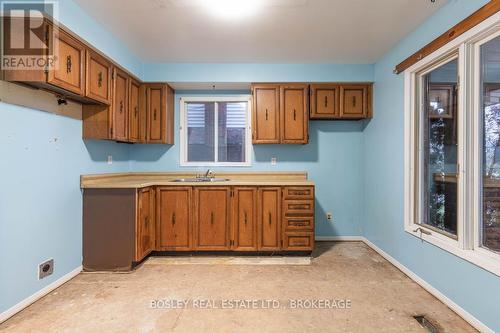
(45, 269)
(274, 160)
(110, 159)
(329, 216)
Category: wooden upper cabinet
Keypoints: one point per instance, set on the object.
(212, 217)
(134, 112)
(266, 114)
(160, 114)
(354, 101)
(325, 100)
(69, 72)
(294, 113)
(145, 226)
(98, 78)
(66, 75)
(174, 224)
(244, 222)
(269, 225)
(120, 105)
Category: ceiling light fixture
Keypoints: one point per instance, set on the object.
(232, 9)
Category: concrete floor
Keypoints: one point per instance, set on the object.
(383, 299)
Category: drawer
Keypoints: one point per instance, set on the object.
(298, 223)
(298, 241)
(306, 192)
(298, 207)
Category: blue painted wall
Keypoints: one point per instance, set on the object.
(333, 158)
(43, 156)
(466, 284)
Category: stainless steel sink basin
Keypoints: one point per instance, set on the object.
(200, 180)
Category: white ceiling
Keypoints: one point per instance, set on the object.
(282, 31)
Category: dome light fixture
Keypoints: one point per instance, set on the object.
(232, 9)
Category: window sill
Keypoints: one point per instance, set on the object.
(482, 258)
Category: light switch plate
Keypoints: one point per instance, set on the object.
(329, 216)
(274, 161)
(110, 159)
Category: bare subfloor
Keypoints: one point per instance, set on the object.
(382, 298)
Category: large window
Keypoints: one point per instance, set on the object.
(215, 131)
(452, 146)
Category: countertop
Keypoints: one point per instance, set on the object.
(140, 180)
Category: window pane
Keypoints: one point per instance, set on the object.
(201, 132)
(232, 125)
(439, 149)
(490, 83)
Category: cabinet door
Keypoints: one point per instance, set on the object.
(145, 231)
(354, 101)
(266, 118)
(173, 205)
(245, 219)
(134, 115)
(295, 114)
(269, 219)
(324, 101)
(212, 218)
(69, 73)
(98, 78)
(156, 106)
(120, 105)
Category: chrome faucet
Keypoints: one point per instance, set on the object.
(209, 173)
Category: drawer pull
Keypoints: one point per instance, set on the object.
(294, 114)
(173, 218)
(354, 101)
(267, 115)
(270, 218)
(135, 112)
(121, 106)
(245, 218)
(299, 224)
(99, 79)
(326, 101)
(154, 114)
(212, 218)
(299, 206)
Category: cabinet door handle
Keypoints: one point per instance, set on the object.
(245, 218)
(146, 221)
(270, 218)
(267, 115)
(135, 112)
(68, 64)
(173, 218)
(294, 114)
(326, 101)
(121, 106)
(154, 114)
(212, 218)
(354, 101)
(99, 79)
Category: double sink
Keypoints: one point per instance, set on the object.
(200, 180)
(207, 178)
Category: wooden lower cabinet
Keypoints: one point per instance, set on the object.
(174, 221)
(244, 219)
(122, 226)
(212, 216)
(145, 225)
(269, 219)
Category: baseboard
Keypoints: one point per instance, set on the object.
(39, 294)
(339, 238)
(436, 293)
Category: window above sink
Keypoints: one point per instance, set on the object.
(215, 131)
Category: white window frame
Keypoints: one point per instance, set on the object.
(214, 99)
(467, 244)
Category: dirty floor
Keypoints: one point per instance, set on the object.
(347, 288)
